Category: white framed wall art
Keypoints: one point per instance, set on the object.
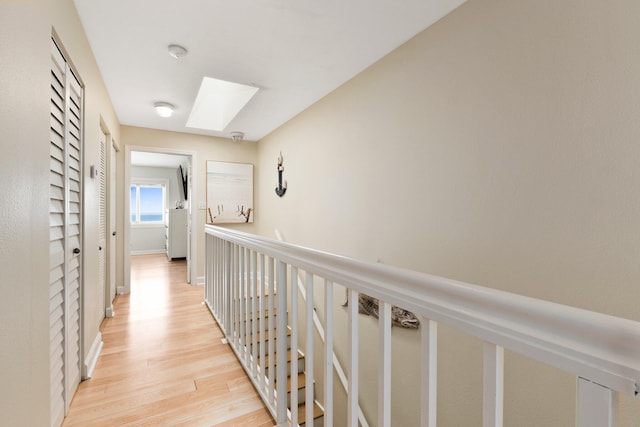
(229, 192)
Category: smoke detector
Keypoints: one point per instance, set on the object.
(237, 136)
(177, 51)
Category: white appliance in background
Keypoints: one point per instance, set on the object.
(176, 233)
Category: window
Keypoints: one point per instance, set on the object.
(147, 203)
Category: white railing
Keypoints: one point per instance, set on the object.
(319, 329)
(243, 272)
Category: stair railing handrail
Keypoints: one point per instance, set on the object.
(592, 345)
(320, 329)
(601, 350)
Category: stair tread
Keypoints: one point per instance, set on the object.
(317, 412)
(266, 357)
(301, 381)
(266, 334)
(264, 294)
(265, 314)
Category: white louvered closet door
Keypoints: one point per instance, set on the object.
(102, 227)
(65, 213)
(112, 229)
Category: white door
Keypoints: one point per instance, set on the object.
(65, 225)
(112, 230)
(102, 228)
(189, 225)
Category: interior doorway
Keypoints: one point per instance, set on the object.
(153, 174)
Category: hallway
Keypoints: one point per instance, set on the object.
(163, 363)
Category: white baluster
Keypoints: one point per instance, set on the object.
(207, 265)
(281, 412)
(328, 354)
(232, 294)
(493, 385)
(241, 306)
(213, 300)
(294, 345)
(594, 406)
(309, 352)
(236, 297)
(227, 289)
(429, 372)
(352, 392)
(384, 368)
(216, 280)
(254, 309)
(222, 302)
(247, 304)
(270, 349)
(260, 317)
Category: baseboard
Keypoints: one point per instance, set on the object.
(92, 358)
(109, 311)
(122, 290)
(152, 252)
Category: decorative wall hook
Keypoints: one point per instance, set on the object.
(282, 185)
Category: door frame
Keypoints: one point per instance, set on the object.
(193, 241)
(112, 223)
(110, 219)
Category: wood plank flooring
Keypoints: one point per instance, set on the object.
(163, 363)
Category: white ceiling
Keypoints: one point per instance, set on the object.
(294, 51)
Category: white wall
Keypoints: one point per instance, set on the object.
(25, 43)
(498, 147)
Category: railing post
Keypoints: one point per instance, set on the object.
(207, 263)
(384, 368)
(254, 312)
(241, 346)
(493, 385)
(227, 288)
(247, 304)
(294, 344)
(352, 392)
(235, 285)
(271, 315)
(429, 372)
(281, 341)
(263, 328)
(309, 352)
(594, 406)
(328, 354)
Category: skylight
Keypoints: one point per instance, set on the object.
(217, 103)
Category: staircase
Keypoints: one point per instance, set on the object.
(266, 359)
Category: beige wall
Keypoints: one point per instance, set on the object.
(498, 147)
(25, 43)
(205, 148)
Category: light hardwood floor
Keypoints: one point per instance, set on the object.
(163, 363)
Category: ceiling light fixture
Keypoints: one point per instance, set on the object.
(164, 109)
(237, 136)
(177, 51)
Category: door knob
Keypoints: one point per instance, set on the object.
(99, 248)
(113, 234)
(76, 251)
